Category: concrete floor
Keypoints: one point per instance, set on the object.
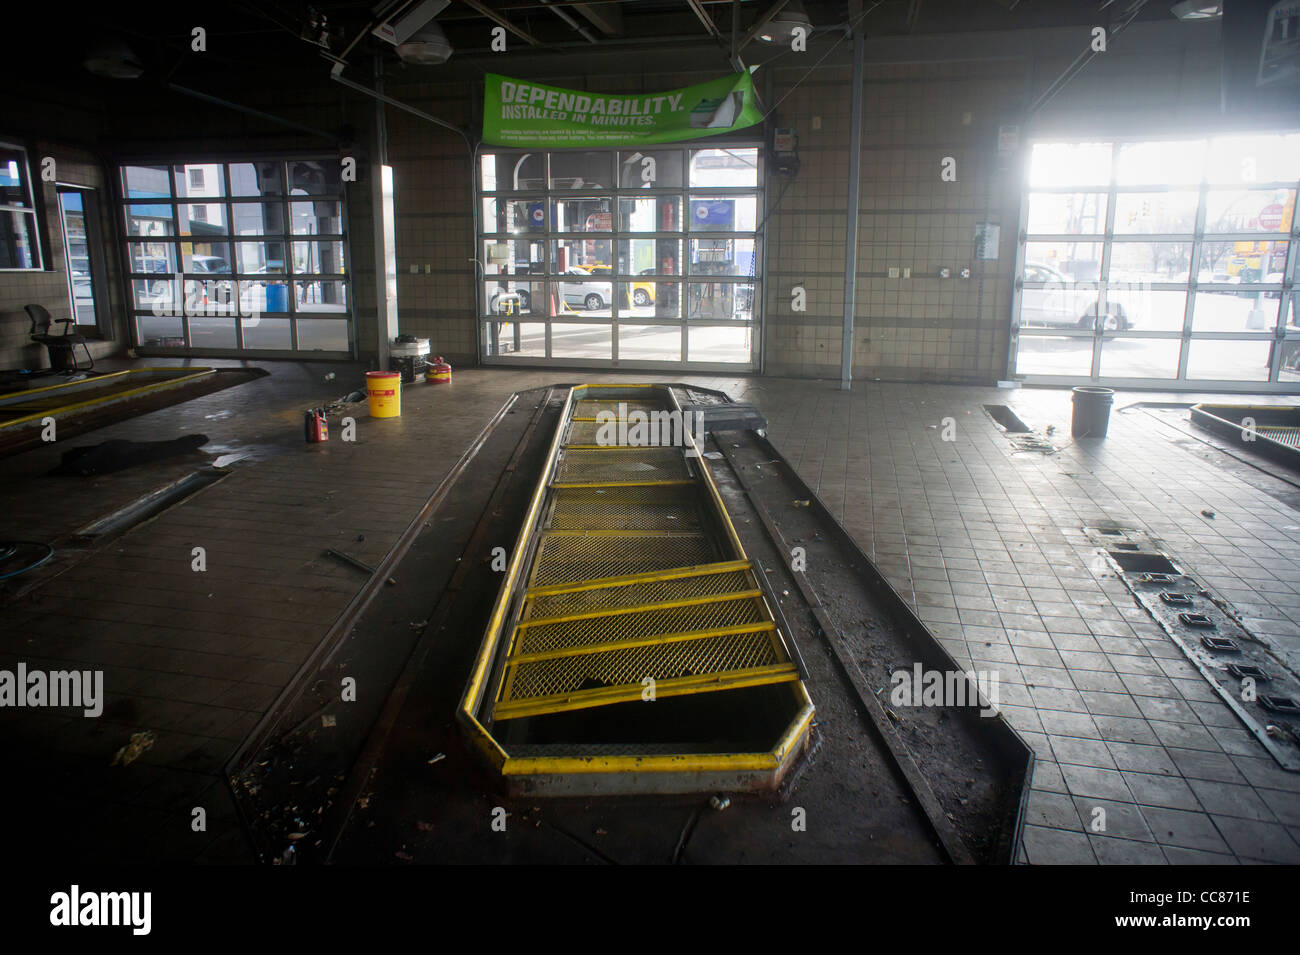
(984, 541)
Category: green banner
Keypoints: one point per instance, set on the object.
(519, 113)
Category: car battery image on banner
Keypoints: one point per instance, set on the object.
(717, 113)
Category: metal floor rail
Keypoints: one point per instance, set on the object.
(627, 585)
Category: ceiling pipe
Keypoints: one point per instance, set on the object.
(563, 15)
(336, 74)
(607, 19)
(250, 111)
(702, 15)
(1080, 63)
(498, 19)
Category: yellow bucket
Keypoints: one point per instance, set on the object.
(384, 389)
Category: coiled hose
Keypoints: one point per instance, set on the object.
(8, 549)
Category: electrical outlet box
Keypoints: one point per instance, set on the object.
(945, 272)
(907, 271)
(893, 271)
(965, 273)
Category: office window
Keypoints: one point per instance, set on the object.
(20, 247)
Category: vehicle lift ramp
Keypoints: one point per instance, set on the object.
(632, 647)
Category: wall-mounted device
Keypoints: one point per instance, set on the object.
(785, 152)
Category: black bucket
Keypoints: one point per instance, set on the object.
(1091, 411)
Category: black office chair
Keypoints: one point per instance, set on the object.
(60, 347)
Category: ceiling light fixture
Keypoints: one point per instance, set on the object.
(1197, 10)
(428, 46)
(113, 59)
(782, 26)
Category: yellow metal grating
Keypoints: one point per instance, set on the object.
(588, 433)
(655, 508)
(635, 574)
(625, 465)
(638, 594)
(569, 557)
(1280, 434)
(627, 668)
(590, 407)
(659, 431)
(638, 625)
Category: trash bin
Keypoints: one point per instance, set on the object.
(1091, 411)
(277, 298)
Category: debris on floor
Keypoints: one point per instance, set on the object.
(139, 744)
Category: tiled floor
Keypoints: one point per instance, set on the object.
(985, 542)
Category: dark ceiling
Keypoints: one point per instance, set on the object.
(259, 51)
(258, 41)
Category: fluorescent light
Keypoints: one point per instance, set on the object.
(1197, 10)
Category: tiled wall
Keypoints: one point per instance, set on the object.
(49, 287)
(919, 328)
(434, 195)
(943, 330)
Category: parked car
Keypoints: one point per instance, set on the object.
(643, 293)
(581, 290)
(1050, 298)
(211, 264)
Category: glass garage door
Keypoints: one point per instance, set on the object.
(624, 258)
(238, 259)
(1160, 263)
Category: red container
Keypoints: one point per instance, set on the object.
(438, 372)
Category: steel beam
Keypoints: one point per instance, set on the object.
(497, 18)
(851, 212)
(703, 16)
(563, 15)
(608, 19)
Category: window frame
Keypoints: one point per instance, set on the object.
(31, 209)
(179, 278)
(96, 262)
(1197, 238)
(489, 334)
